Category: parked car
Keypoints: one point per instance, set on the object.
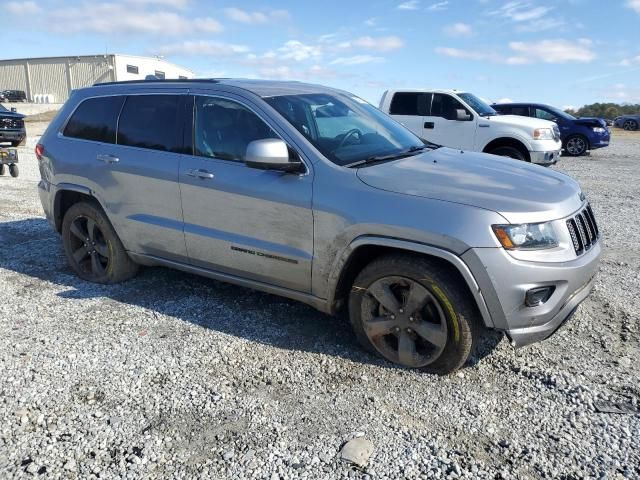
(462, 120)
(14, 96)
(314, 194)
(628, 122)
(12, 127)
(578, 135)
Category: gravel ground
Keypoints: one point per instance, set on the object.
(172, 375)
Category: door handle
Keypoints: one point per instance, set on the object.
(429, 125)
(106, 158)
(202, 174)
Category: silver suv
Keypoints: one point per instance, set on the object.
(313, 194)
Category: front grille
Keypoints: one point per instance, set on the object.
(11, 123)
(583, 230)
(556, 132)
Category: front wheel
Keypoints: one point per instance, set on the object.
(13, 170)
(92, 246)
(413, 312)
(3, 169)
(511, 152)
(576, 146)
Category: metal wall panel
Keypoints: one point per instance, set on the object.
(13, 76)
(49, 77)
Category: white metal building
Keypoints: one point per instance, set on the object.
(51, 79)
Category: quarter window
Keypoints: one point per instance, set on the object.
(95, 119)
(446, 106)
(410, 103)
(151, 121)
(224, 128)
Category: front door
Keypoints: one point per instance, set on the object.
(251, 223)
(445, 129)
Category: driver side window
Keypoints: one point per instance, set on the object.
(224, 128)
(446, 106)
(544, 115)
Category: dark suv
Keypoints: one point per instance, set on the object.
(12, 127)
(578, 134)
(13, 96)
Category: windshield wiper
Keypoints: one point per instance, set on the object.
(394, 156)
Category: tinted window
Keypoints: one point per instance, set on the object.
(224, 128)
(132, 69)
(151, 121)
(446, 106)
(95, 119)
(159, 74)
(410, 103)
(543, 114)
(522, 111)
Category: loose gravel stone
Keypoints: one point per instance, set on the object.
(171, 375)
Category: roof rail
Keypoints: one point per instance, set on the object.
(149, 78)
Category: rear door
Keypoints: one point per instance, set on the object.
(140, 174)
(256, 224)
(410, 109)
(444, 129)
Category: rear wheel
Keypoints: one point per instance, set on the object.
(14, 170)
(511, 152)
(630, 125)
(92, 246)
(413, 312)
(576, 145)
(3, 169)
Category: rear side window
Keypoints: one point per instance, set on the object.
(95, 119)
(410, 103)
(151, 121)
(522, 111)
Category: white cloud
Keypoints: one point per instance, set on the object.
(628, 62)
(458, 30)
(521, 11)
(545, 51)
(298, 51)
(371, 22)
(22, 8)
(409, 5)
(284, 72)
(357, 60)
(254, 18)
(505, 100)
(178, 4)
(555, 51)
(127, 19)
(217, 49)
(569, 107)
(436, 7)
(634, 5)
(379, 44)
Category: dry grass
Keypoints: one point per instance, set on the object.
(41, 117)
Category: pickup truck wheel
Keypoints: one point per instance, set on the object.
(3, 169)
(16, 143)
(575, 146)
(511, 152)
(630, 125)
(92, 246)
(414, 313)
(14, 171)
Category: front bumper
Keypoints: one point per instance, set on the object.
(504, 282)
(546, 157)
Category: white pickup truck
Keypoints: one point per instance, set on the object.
(462, 120)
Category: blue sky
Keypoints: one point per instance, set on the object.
(562, 52)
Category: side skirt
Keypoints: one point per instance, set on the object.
(151, 260)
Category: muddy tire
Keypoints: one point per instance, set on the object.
(92, 246)
(415, 313)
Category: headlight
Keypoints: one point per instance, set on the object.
(599, 129)
(543, 134)
(528, 236)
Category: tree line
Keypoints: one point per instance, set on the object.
(605, 110)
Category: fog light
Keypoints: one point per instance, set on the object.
(537, 296)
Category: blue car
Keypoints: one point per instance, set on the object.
(578, 134)
(628, 122)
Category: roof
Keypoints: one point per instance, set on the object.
(426, 90)
(262, 88)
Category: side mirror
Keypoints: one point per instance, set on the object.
(14, 109)
(462, 115)
(271, 154)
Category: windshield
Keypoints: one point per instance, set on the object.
(345, 129)
(2, 109)
(559, 113)
(481, 107)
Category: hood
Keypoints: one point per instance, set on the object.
(591, 121)
(519, 191)
(10, 114)
(525, 122)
